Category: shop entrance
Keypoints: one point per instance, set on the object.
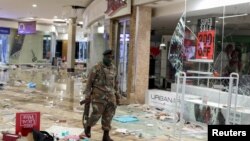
(122, 54)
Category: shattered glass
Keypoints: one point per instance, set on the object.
(176, 49)
(244, 82)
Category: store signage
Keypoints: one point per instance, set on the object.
(4, 30)
(206, 24)
(205, 45)
(118, 8)
(162, 99)
(27, 27)
(25, 122)
(115, 5)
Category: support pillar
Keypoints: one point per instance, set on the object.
(71, 45)
(141, 53)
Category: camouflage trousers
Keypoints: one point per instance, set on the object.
(105, 110)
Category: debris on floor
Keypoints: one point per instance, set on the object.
(61, 112)
(126, 118)
(31, 85)
(65, 132)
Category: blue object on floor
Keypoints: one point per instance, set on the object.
(125, 119)
(31, 85)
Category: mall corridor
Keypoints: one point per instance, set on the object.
(174, 70)
(60, 109)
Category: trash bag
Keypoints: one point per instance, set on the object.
(41, 136)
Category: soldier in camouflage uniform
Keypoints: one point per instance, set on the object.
(102, 91)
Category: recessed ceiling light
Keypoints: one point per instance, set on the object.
(34, 5)
(30, 18)
(188, 21)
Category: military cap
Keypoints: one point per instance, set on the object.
(107, 52)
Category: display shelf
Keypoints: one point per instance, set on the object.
(201, 60)
(199, 72)
(239, 109)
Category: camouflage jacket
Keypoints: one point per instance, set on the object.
(102, 84)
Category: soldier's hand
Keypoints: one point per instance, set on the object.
(85, 101)
(118, 102)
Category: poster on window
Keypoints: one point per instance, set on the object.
(206, 24)
(205, 45)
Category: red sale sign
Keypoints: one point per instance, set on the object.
(25, 122)
(205, 45)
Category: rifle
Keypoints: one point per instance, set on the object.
(85, 115)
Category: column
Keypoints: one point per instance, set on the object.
(71, 45)
(141, 53)
(131, 56)
(70, 91)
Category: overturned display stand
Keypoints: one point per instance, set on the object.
(210, 106)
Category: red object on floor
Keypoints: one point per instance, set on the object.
(27, 121)
(10, 137)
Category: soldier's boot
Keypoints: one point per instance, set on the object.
(87, 131)
(106, 136)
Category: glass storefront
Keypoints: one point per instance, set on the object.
(4, 48)
(82, 51)
(217, 41)
(213, 40)
(47, 47)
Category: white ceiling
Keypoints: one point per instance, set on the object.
(164, 19)
(45, 10)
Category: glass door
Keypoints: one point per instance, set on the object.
(47, 47)
(122, 52)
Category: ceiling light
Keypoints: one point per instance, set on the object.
(188, 21)
(216, 21)
(162, 45)
(231, 16)
(34, 5)
(80, 22)
(27, 18)
(31, 18)
(100, 29)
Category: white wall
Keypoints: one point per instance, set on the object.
(97, 46)
(94, 12)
